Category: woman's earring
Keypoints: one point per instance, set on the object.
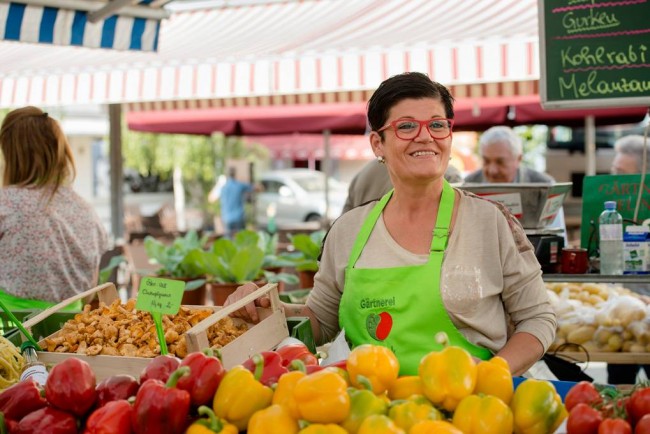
(381, 160)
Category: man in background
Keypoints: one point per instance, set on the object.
(501, 150)
(233, 197)
(629, 155)
(372, 182)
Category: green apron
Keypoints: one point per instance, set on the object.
(401, 307)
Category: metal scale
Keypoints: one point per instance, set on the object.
(539, 209)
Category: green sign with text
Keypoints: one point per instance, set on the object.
(624, 190)
(594, 53)
(160, 295)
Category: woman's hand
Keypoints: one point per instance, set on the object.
(249, 312)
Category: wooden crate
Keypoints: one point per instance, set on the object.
(616, 358)
(265, 335)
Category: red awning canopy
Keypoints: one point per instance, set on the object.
(471, 114)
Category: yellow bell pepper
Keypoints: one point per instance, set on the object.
(537, 408)
(319, 428)
(211, 425)
(379, 424)
(322, 397)
(273, 420)
(434, 426)
(239, 396)
(406, 413)
(447, 376)
(493, 377)
(378, 364)
(483, 415)
(405, 386)
(283, 394)
(363, 403)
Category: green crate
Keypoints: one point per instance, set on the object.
(297, 296)
(300, 328)
(8, 329)
(43, 329)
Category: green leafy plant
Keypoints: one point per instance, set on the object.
(308, 248)
(238, 260)
(179, 259)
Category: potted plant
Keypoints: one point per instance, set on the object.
(178, 260)
(305, 257)
(230, 263)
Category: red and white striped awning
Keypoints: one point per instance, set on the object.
(264, 51)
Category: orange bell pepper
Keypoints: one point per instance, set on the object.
(434, 426)
(483, 415)
(537, 408)
(240, 395)
(322, 397)
(493, 377)
(378, 364)
(405, 386)
(319, 428)
(379, 424)
(273, 420)
(284, 392)
(448, 376)
(406, 413)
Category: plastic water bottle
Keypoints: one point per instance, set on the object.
(610, 225)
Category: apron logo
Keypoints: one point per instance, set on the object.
(379, 326)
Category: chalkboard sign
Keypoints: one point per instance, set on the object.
(594, 53)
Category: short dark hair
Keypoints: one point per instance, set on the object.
(413, 85)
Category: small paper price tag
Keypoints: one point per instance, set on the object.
(160, 295)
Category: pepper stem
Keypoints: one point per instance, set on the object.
(176, 375)
(258, 360)
(364, 381)
(3, 427)
(297, 365)
(215, 424)
(442, 339)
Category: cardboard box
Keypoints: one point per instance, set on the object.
(265, 335)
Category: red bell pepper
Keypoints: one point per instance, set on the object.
(21, 399)
(206, 374)
(71, 386)
(47, 420)
(160, 368)
(272, 366)
(161, 408)
(343, 364)
(297, 351)
(116, 387)
(112, 418)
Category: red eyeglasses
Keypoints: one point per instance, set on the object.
(408, 129)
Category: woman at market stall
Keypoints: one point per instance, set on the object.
(426, 257)
(51, 240)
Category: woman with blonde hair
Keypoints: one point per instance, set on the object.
(51, 240)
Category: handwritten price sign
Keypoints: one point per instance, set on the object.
(160, 295)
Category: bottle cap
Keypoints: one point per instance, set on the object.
(26, 345)
(610, 204)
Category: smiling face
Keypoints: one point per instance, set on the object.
(499, 163)
(421, 158)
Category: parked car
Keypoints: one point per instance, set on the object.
(297, 195)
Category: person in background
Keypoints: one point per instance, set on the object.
(628, 160)
(426, 258)
(372, 182)
(629, 155)
(51, 240)
(501, 150)
(233, 196)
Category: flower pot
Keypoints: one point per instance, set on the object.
(306, 278)
(196, 297)
(221, 291)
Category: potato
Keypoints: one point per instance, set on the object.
(581, 334)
